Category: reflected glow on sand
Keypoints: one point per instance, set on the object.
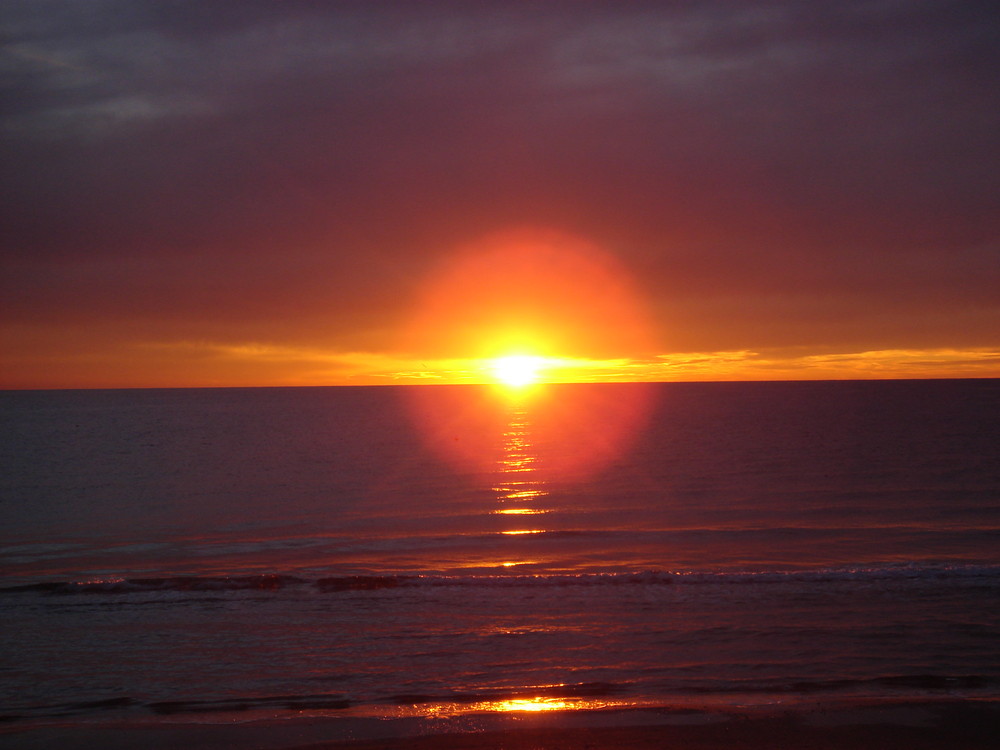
(534, 705)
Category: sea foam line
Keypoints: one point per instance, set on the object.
(334, 584)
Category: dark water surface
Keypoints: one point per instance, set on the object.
(437, 549)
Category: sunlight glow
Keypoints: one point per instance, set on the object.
(520, 512)
(517, 370)
(500, 705)
(529, 704)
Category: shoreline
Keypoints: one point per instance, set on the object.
(962, 724)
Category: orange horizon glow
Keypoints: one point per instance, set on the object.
(516, 310)
(188, 364)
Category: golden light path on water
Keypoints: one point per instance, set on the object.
(520, 488)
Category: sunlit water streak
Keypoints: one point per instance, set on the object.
(521, 490)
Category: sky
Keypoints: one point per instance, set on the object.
(212, 193)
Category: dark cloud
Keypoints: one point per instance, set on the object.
(805, 169)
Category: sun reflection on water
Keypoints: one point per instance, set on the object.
(518, 466)
(531, 705)
(518, 532)
(513, 493)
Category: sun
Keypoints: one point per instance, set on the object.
(517, 370)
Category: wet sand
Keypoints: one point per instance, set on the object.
(960, 725)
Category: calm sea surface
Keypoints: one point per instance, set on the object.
(434, 549)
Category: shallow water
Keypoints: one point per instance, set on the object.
(453, 548)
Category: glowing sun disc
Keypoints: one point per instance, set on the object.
(517, 370)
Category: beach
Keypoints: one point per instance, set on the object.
(918, 725)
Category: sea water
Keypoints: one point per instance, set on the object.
(433, 549)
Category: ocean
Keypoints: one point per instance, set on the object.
(432, 551)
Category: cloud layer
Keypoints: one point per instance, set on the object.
(806, 178)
